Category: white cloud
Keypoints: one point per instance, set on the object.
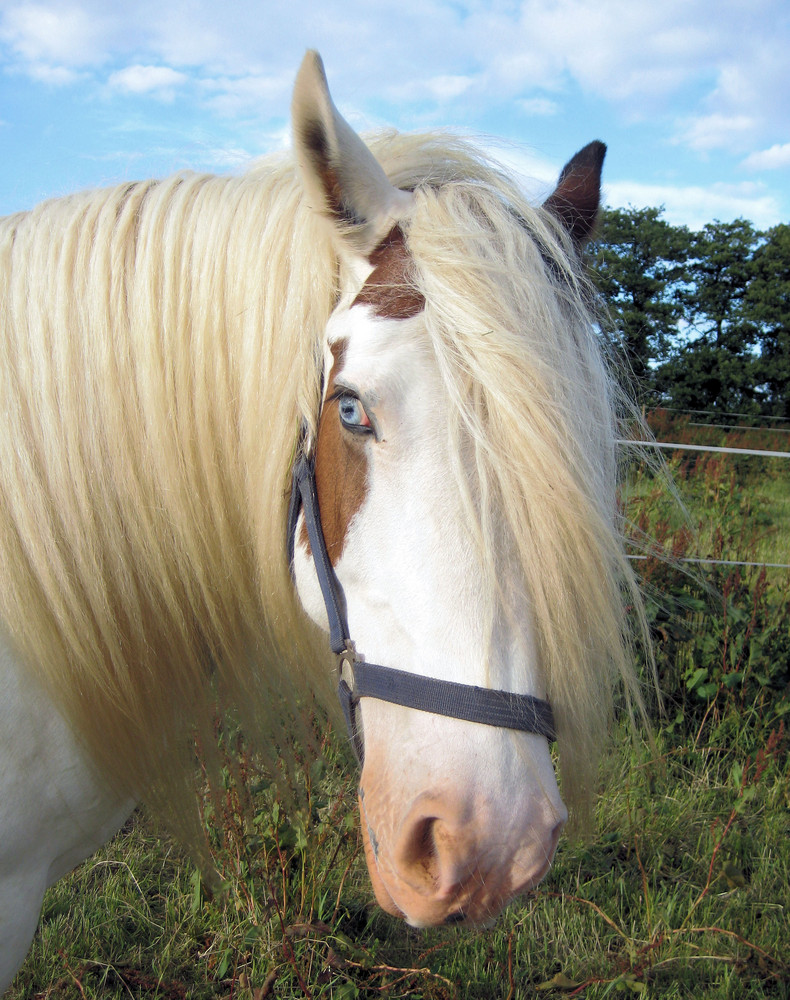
(775, 158)
(55, 35)
(57, 76)
(722, 78)
(222, 158)
(444, 88)
(694, 205)
(232, 96)
(539, 107)
(718, 131)
(617, 49)
(637, 55)
(146, 80)
(718, 83)
(749, 101)
(432, 89)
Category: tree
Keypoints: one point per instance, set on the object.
(713, 365)
(639, 262)
(703, 318)
(719, 271)
(767, 305)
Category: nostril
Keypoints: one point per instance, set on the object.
(455, 918)
(434, 857)
(421, 852)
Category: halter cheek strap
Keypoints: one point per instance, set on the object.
(358, 679)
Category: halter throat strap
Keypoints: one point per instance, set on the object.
(358, 679)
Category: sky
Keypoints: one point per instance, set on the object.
(692, 97)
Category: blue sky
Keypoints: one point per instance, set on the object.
(691, 96)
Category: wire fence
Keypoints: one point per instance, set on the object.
(720, 450)
(716, 562)
(741, 427)
(706, 447)
(721, 413)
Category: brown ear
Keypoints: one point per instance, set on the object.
(577, 196)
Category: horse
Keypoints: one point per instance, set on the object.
(395, 320)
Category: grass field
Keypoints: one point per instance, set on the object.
(681, 891)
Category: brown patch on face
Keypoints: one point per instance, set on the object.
(341, 470)
(390, 289)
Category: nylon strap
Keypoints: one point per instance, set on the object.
(458, 701)
(304, 496)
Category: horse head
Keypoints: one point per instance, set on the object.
(458, 817)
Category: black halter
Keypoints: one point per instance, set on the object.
(358, 679)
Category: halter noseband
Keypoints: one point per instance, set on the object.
(358, 679)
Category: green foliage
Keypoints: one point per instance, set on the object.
(767, 305)
(721, 633)
(681, 894)
(718, 273)
(638, 260)
(703, 318)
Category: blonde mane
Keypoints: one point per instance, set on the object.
(161, 345)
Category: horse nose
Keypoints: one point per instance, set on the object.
(436, 852)
(448, 865)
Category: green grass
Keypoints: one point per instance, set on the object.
(681, 891)
(751, 495)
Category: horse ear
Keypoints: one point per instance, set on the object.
(342, 178)
(577, 196)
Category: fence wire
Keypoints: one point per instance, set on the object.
(707, 447)
(725, 451)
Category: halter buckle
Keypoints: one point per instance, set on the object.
(347, 692)
(345, 665)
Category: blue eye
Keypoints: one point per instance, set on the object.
(352, 413)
